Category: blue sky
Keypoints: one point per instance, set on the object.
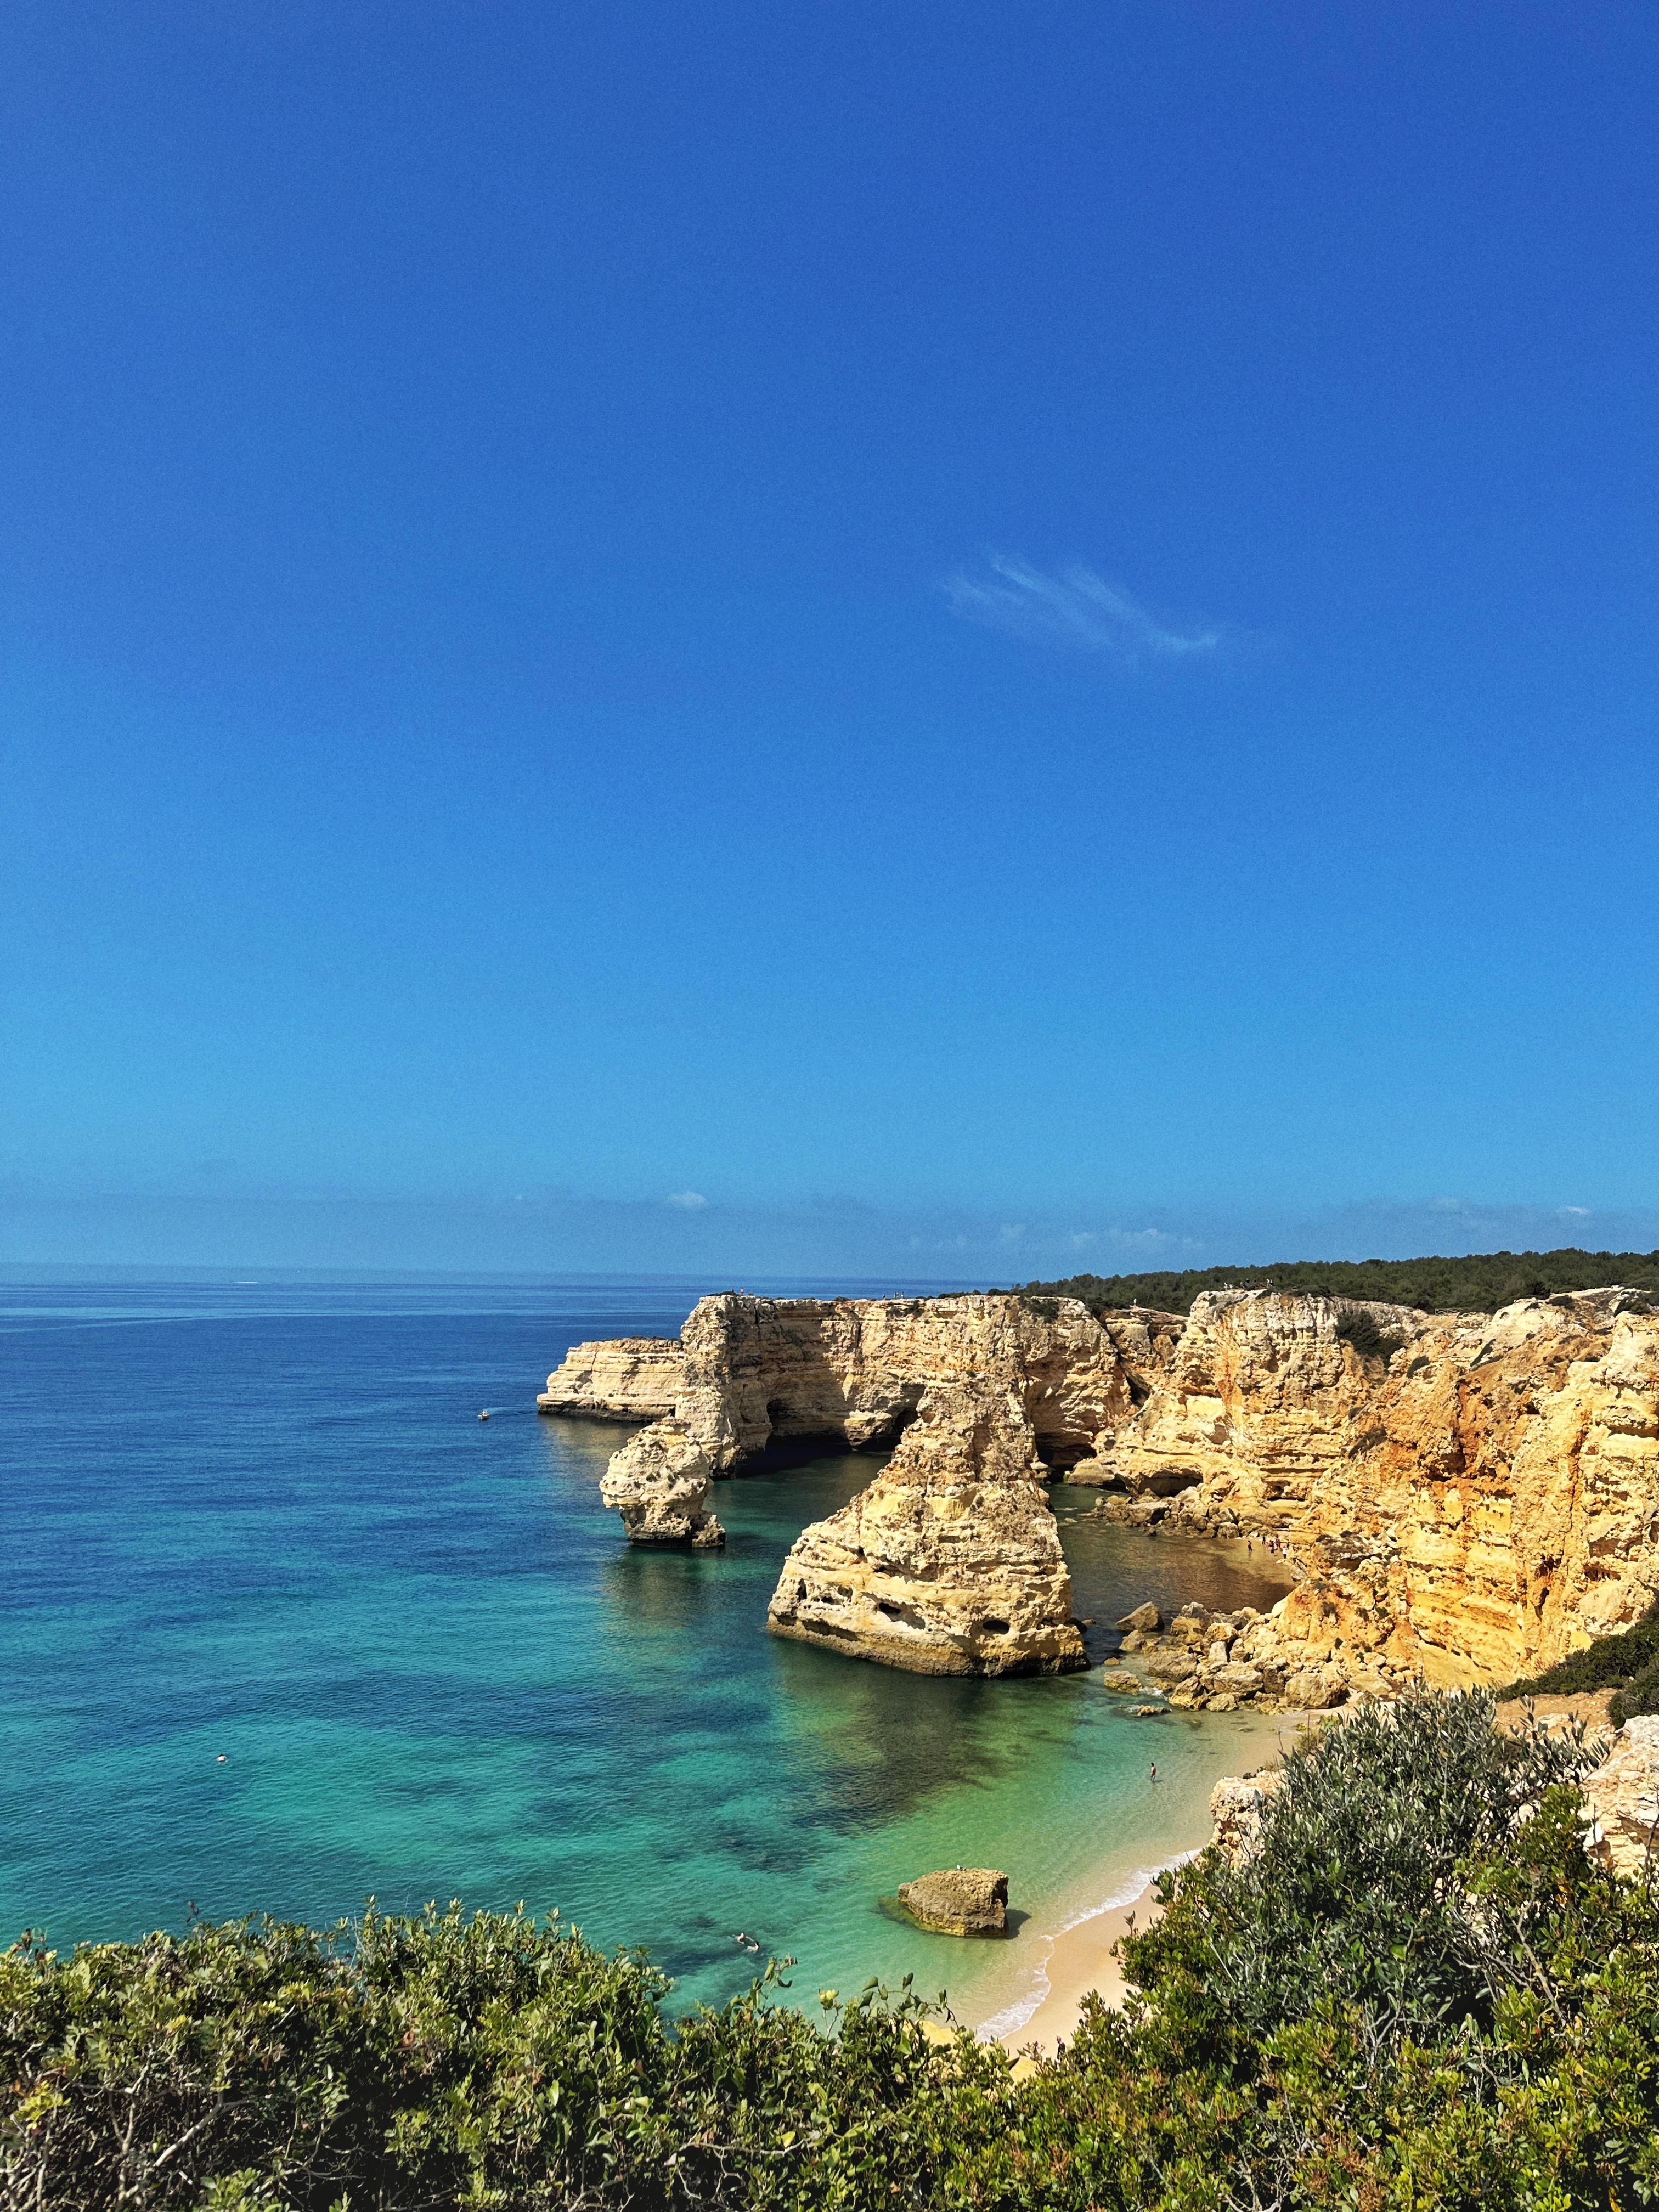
(1032, 628)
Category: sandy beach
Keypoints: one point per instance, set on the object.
(1080, 1959)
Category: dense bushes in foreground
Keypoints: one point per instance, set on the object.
(1420, 1993)
(1476, 1282)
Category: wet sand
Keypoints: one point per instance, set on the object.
(1079, 1957)
(1079, 1960)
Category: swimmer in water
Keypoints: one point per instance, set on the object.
(1154, 1774)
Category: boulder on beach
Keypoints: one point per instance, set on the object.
(1147, 1618)
(958, 1901)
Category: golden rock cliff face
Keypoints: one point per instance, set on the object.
(950, 1562)
(1258, 1399)
(763, 1376)
(1467, 1498)
(658, 1483)
(623, 1378)
(1473, 1499)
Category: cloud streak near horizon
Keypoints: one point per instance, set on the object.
(1078, 607)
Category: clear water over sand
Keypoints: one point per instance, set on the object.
(265, 1520)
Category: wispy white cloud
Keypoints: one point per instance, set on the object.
(1076, 607)
(689, 1199)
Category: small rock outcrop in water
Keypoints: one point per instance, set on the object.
(624, 1378)
(950, 1562)
(958, 1901)
(658, 1483)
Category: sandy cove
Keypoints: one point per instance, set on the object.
(1080, 1959)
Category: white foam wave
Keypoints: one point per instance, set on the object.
(1127, 1890)
(1012, 2016)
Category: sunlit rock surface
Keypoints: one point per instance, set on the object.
(1622, 1797)
(950, 1562)
(659, 1482)
(623, 1378)
(958, 1901)
(1469, 1500)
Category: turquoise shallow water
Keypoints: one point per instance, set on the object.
(264, 1522)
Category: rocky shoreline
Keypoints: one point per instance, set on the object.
(1464, 1498)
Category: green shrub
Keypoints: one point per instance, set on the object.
(1420, 1993)
(1367, 1335)
(1626, 1663)
(1476, 1282)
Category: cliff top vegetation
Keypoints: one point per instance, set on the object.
(1626, 1662)
(1419, 1992)
(1477, 1282)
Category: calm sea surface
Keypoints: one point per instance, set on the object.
(264, 1521)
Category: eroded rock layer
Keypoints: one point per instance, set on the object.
(1467, 1498)
(659, 1482)
(762, 1380)
(1621, 1796)
(623, 1378)
(1464, 1497)
(958, 1901)
(762, 1376)
(950, 1562)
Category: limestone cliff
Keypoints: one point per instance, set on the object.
(659, 1482)
(766, 1380)
(1469, 1499)
(768, 1377)
(1621, 1797)
(950, 1562)
(624, 1378)
(1237, 1805)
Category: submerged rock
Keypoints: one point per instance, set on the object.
(959, 1901)
(950, 1562)
(659, 1483)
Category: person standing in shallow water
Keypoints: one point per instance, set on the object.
(1154, 1773)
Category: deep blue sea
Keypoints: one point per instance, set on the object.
(284, 1625)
